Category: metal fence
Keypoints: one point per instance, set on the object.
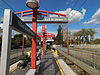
(91, 58)
(17, 52)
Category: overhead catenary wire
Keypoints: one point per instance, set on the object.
(8, 5)
(75, 4)
(81, 5)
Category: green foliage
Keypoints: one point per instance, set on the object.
(96, 41)
(28, 42)
(17, 41)
(59, 37)
(82, 36)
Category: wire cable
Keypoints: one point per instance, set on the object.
(83, 3)
(8, 5)
(75, 4)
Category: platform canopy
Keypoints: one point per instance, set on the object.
(44, 20)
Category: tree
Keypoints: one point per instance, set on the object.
(85, 34)
(16, 41)
(28, 42)
(97, 41)
(91, 33)
(82, 36)
(59, 37)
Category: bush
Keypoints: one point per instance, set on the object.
(97, 41)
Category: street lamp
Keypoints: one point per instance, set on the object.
(33, 4)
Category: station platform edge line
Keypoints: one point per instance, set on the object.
(61, 70)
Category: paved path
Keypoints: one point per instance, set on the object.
(20, 72)
(48, 65)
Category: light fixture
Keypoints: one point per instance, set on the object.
(33, 4)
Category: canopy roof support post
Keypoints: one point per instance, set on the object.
(6, 44)
(67, 40)
(23, 41)
(43, 45)
(34, 46)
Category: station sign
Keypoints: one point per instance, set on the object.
(55, 19)
(45, 20)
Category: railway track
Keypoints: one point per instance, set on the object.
(79, 67)
(91, 58)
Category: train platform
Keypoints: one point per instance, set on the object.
(48, 66)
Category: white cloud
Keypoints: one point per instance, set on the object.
(14, 33)
(92, 21)
(95, 18)
(97, 30)
(74, 30)
(66, 12)
(73, 15)
(53, 32)
(96, 15)
(39, 29)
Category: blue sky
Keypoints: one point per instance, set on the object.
(91, 7)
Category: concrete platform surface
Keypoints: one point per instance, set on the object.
(31, 72)
(20, 71)
(48, 65)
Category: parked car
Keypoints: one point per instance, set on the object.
(71, 45)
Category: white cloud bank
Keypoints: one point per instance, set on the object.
(73, 15)
(39, 29)
(97, 30)
(74, 30)
(95, 18)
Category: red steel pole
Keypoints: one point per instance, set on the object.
(22, 39)
(43, 42)
(67, 41)
(22, 45)
(34, 28)
(43, 45)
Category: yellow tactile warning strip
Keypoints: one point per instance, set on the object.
(13, 70)
(62, 72)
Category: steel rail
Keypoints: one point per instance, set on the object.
(88, 69)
